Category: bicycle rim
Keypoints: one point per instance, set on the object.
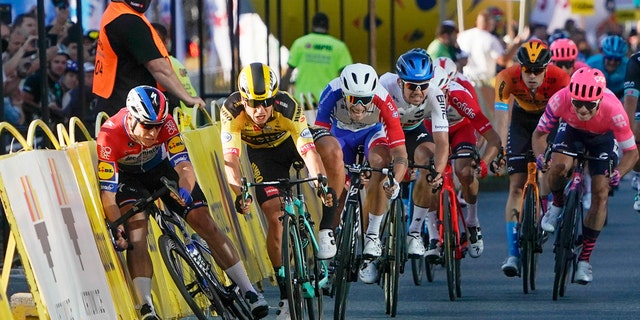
(291, 262)
(187, 280)
(345, 258)
(449, 245)
(564, 247)
(528, 240)
(394, 255)
(315, 272)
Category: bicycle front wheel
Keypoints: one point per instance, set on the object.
(292, 265)
(189, 279)
(394, 236)
(344, 262)
(564, 246)
(529, 240)
(449, 245)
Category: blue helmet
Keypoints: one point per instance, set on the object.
(614, 46)
(415, 65)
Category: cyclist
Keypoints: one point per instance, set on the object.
(531, 82)
(613, 62)
(564, 54)
(453, 74)
(136, 147)
(275, 130)
(632, 107)
(358, 111)
(465, 119)
(416, 100)
(591, 116)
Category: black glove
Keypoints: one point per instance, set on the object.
(238, 202)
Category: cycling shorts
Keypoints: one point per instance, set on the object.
(571, 139)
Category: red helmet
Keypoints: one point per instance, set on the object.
(587, 84)
(563, 50)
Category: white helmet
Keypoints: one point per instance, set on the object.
(449, 66)
(440, 78)
(359, 80)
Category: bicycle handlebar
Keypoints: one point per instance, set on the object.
(283, 183)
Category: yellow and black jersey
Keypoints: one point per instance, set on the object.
(287, 120)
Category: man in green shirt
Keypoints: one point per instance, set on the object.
(318, 58)
(444, 45)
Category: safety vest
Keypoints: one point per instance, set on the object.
(106, 59)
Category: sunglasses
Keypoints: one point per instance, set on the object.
(590, 105)
(355, 100)
(565, 64)
(416, 86)
(535, 71)
(612, 58)
(151, 126)
(257, 103)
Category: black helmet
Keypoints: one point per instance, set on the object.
(534, 54)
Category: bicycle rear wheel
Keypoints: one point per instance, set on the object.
(345, 262)
(449, 245)
(189, 279)
(529, 240)
(420, 263)
(292, 263)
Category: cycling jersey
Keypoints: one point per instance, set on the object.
(462, 109)
(615, 80)
(411, 116)
(509, 82)
(287, 120)
(632, 80)
(333, 113)
(611, 116)
(119, 152)
(466, 83)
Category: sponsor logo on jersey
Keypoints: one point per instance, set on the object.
(107, 171)
(306, 133)
(105, 152)
(175, 145)
(171, 128)
(226, 137)
(306, 147)
(464, 108)
(271, 191)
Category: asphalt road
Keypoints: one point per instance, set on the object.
(488, 294)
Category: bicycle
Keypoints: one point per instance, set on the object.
(394, 249)
(452, 241)
(304, 275)
(530, 234)
(568, 243)
(419, 263)
(188, 260)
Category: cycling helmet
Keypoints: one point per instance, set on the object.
(449, 67)
(534, 54)
(415, 65)
(587, 84)
(440, 78)
(557, 35)
(359, 80)
(257, 82)
(147, 105)
(613, 46)
(564, 50)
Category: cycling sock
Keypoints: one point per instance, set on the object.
(472, 215)
(328, 215)
(432, 225)
(374, 224)
(544, 202)
(418, 219)
(512, 239)
(558, 198)
(238, 274)
(142, 286)
(589, 237)
(281, 284)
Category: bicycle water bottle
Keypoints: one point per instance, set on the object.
(197, 257)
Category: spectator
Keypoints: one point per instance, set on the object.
(32, 92)
(73, 105)
(445, 44)
(132, 54)
(318, 58)
(26, 23)
(485, 53)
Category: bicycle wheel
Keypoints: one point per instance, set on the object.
(420, 263)
(291, 264)
(564, 247)
(314, 273)
(189, 280)
(234, 301)
(449, 245)
(344, 262)
(528, 240)
(393, 236)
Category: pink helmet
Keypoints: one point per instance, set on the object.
(449, 66)
(563, 50)
(587, 84)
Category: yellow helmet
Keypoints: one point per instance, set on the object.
(257, 82)
(534, 54)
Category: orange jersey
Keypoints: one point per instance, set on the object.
(509, 82)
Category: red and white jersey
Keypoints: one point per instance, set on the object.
(611, 116)
(118, 151)
(463, 108)
(412, 116)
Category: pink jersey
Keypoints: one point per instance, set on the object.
(611, 116)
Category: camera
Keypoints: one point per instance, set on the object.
(61, 4)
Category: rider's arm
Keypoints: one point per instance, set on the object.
(502, 106)
(632, 87)
(493, 145)
(539, 141)
(111, 210)
(233, 172)
(441, 140)
(187, 175)
(400, 163)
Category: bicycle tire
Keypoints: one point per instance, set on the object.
(449, 245)
(420, 263)
(314, 273)
(344, 262)
(564, 245)
(291, 264)
(528, 239)
(393, 235)
(237, 305)
(188, 279)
